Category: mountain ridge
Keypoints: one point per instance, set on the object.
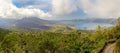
(33, 23)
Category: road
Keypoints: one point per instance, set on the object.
(109, 49)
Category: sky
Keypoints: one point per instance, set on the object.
(59, 9)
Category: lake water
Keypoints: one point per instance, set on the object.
(88, 25)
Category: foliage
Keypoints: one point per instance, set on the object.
(117, 47)
(58, 40)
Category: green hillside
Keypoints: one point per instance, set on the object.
(59, 40)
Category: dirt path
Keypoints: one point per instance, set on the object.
(109, 49)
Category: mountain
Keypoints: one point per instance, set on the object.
(32, 24)
(4, 23)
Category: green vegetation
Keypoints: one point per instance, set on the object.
(59, 41)
(117, 47)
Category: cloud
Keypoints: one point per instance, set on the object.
(100, 8)
(50, 9)
(8, 10)
(62, 7)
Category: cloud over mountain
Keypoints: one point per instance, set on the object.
(61, 7)
(92, 8)
(50, 9)
(8, 10)
(101, 8)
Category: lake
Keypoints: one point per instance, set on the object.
(88, 25)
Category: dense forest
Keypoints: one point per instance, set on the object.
(60, 41)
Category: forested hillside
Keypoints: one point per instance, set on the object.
(60, 41)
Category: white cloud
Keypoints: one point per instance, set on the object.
(8, 10)
(61, 7)
(101, 8)
(93, 8)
